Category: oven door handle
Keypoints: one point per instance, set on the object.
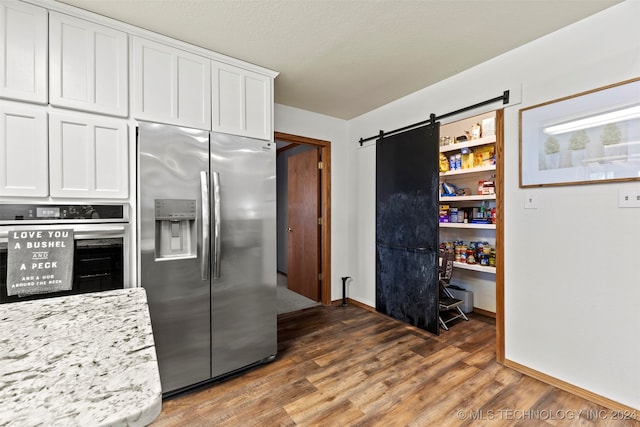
(103, 232)
(80, 232)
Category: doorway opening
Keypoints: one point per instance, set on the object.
(481, 282)
(319, 256)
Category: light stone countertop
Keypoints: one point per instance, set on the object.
(81, 360)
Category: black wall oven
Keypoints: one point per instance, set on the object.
(101, 243)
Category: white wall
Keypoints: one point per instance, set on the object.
(572, 285)
(304, 123)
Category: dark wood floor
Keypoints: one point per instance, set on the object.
(346, 366)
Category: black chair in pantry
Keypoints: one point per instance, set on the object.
(447, 302)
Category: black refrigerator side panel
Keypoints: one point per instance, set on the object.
(407, 227)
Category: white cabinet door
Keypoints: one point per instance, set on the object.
(242, 102)
(23, 52)
(88, 156)
(23, 150)
(170, 85)
(88, 66)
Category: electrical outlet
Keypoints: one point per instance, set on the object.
(629, 198)
(530, 200)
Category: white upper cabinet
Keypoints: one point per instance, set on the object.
(170, 85)
(242, 101)
(23, 51)
(88, 66)
(88, 156)
(23, 150)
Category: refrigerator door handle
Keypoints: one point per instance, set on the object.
(217, 244)
(204, 192)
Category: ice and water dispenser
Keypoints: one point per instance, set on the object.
(176, 229)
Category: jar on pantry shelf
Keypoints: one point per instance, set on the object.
(446, 140)
(476, 131)
(471, 259)
(484, 259)
(486, 248)
(453, 215)
(444, 163)
(479, 250)
(462, 215)
(448, 246)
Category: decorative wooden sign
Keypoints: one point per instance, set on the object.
(39, 261)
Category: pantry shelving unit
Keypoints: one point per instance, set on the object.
(475, 267)
(463, 225)
(467, 198)
(469, 172)
(491, 139)
(480, 279)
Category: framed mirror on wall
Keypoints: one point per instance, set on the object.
(587, 138)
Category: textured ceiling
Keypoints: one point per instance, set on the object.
(344, 58)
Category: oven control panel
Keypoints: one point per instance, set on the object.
(15, 213)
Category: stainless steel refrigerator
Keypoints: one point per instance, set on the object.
(207, 251)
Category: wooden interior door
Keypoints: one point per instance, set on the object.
(303, 229)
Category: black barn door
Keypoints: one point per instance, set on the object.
(407, 226)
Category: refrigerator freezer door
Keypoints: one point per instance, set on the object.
(244, 317)
(174, 168)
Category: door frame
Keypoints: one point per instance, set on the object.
(325, 206)
(500, 347)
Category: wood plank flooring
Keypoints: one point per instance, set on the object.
(346, 366)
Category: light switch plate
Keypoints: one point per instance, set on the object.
(629, 198)
(530, 200)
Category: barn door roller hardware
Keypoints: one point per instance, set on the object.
(432, 118)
